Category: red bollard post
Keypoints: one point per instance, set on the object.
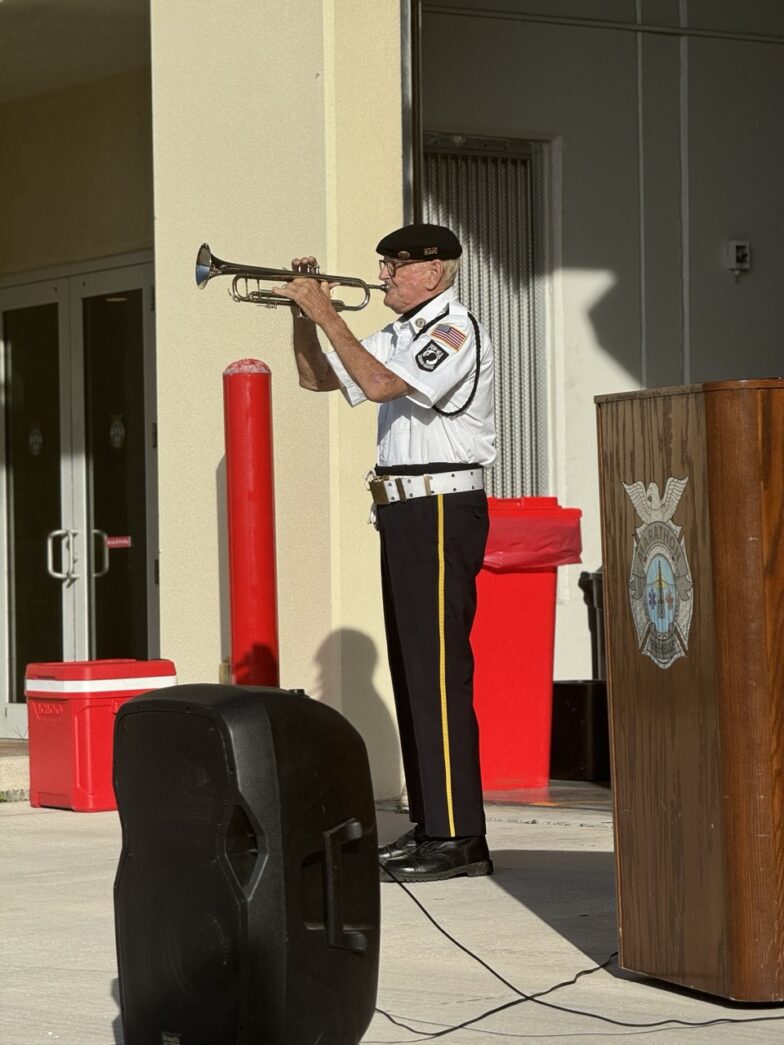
(250, 500)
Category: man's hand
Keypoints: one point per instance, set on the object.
(311, 295)
(378, 384)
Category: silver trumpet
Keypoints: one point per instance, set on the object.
(247, 279)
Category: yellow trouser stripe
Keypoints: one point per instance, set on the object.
(442, 665)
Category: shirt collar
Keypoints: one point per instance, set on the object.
(429, 310)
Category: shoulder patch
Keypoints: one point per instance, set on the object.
(431, 356)
(451, 336)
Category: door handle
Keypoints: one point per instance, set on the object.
(66, 536)
(105, 567)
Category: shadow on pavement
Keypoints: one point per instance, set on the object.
(571, 891)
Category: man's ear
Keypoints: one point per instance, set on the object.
(435, 274)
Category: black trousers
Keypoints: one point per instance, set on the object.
(431, 551)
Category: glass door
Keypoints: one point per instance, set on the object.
(114, 398)
(79, 517)
(37, 535)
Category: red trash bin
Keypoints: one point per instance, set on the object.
(71, 708)
(513, 636)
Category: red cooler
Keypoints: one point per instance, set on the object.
(71, 708)
(514, 635)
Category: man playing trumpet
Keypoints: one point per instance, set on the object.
(431, 373)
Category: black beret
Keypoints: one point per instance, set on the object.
(420, 243)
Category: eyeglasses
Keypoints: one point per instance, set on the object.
(393, 266)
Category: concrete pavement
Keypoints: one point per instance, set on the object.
(14, 770)
(545, 916)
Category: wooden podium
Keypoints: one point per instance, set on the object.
(692, 492)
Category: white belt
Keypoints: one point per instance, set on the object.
(386, 489)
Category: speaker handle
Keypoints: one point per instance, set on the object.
(334, 840)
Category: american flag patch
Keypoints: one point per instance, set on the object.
(449, 335)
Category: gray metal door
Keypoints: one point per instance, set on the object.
(491, 193)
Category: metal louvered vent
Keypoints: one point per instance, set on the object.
(491, 194)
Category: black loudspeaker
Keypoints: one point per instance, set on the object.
(247, 895)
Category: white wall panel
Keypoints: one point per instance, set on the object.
(660, 199)
(735, 192)
(670, 146)
(579, 85)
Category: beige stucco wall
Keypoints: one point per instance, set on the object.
(272, 139)
(77, 183)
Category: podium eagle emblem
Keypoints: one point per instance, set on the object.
(661, 592)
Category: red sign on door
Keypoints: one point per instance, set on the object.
(118, 542)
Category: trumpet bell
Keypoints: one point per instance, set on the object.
(203, 265)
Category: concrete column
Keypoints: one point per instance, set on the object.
(276, 131)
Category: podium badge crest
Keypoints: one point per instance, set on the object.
(660, 585)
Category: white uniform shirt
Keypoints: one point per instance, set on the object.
(434, 351)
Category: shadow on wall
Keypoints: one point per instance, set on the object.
(259, 661)
(223, 561)
(356, 656)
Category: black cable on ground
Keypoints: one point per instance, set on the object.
(537, 997)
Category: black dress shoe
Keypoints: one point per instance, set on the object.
(406, 844)
(440, 858)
